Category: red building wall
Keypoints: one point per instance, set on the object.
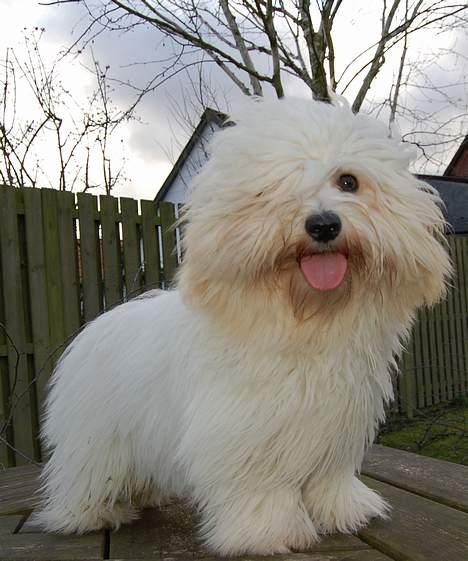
(458, 167)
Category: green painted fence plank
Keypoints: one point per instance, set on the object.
(418, 359)
(19, 393)
(463, 246)
(434, 368)
(39, 308)
(131, 247)
(439, 351)
(53, 270)
(111, 251)
(447, 348)
(7, 457)
(453, 323)
(461, 311)
(69, 265)
(167, 217)
(89, 256)
(426, 357)
(150, 244)
(407, 382)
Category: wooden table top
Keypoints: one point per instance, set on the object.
(429, 521)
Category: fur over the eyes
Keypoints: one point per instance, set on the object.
(244, 233)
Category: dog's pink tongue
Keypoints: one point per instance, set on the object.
(324, 271)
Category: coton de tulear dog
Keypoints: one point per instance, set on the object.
(255, 387)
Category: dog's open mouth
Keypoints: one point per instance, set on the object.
(324, 271)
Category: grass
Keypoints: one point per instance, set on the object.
(439, 433)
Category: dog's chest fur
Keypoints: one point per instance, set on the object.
(285, 417)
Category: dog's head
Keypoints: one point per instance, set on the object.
(308, 203)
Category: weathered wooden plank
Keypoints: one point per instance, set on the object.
(7, 457)
(441, 481)
(170, 530)
(419, 361)
(19, 387)
(21, 473)
(11, 480)
(18, 487)
(460, 315)
(148, 536)
(89, 256)
(407, 381)
(425, 357)
(8, 524)
(447, 347)
(433, 358)
(463, 241)
(455, 349)
(167, 218)
(69, 264)
(150, 244)
(463, 246)
(461, 310)
(111, 251)
(19, 500)
(53, 269)
(48, 547)
(38, 289)
(419, 529)
(131, 247)
(362, 555)
(6, 454)
(439, 351)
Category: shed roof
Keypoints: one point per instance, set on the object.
(454, 193)
(209, 116)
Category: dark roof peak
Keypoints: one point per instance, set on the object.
(209, 116)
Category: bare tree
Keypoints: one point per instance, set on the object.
(263, 46)
(257, 43)
(76, 136)
(105, 120)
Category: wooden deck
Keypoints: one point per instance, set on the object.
(429, 521)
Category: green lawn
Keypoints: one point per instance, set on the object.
(440, 433)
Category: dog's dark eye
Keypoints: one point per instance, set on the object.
(348, 183)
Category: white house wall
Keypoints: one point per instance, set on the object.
(177, 192)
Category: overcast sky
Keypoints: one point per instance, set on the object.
(152, 143)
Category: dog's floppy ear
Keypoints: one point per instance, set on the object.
(437, 267)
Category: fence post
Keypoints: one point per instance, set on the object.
(168, 218)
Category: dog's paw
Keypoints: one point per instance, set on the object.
(344, 507)
(64, 521)
(259, 525)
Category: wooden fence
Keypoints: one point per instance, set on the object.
(64, 259)
(435, 364)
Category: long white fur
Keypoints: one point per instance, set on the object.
(245, 390)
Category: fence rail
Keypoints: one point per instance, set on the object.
(66, 258)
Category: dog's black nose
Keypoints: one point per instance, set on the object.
(323, 227)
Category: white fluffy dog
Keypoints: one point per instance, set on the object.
(254, 388)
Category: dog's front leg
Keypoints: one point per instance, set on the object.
(341, 503)
(256, 522)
